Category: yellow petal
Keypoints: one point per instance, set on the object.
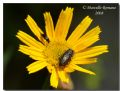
(94, 31)
(36, 66)
(34, 53)
(82, 69)
(28, 40)
(49, 26)
(24, 49)
(79, 30)
(63, 76)
(36, 57)
(33, 26)
(54, 78)
(87, 40)
(68, 68)
(85, 43)
(63, 24)
(84, 61)
(92, 52)
(49, 67)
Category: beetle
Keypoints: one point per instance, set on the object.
(45, 37)
(66, 57)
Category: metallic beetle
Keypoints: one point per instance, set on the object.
(66, 57)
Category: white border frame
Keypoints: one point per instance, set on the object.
(34, 1)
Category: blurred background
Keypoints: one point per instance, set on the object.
(15, 74)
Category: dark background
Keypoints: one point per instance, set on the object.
(15, 74)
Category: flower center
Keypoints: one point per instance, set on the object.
(54, 50)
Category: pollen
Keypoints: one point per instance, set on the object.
(53, 52)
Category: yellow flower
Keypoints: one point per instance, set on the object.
(58, 54)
